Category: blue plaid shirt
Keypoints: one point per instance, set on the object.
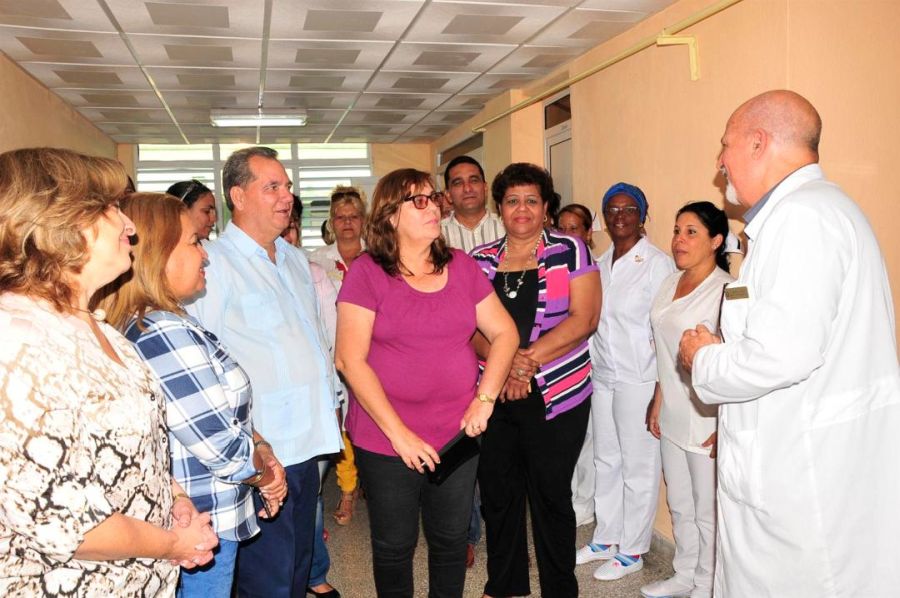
(208, 401)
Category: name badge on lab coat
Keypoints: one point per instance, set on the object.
(732, 293)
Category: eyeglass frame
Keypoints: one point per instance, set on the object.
(436, 197)
(613, 211)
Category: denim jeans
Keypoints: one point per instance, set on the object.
(213, 580)
(395, 496)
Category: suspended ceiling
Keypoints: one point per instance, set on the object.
(379, 71)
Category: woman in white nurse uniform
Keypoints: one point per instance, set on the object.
(686, 427)
(623, 364)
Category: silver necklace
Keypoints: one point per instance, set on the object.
(513, 293)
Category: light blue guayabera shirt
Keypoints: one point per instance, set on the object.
(267, 317)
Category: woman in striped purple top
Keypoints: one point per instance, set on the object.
(550, 286)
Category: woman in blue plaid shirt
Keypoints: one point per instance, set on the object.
(216, 455)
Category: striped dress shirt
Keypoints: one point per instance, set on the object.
(489, 228)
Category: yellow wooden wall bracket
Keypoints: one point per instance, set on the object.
(684, 40)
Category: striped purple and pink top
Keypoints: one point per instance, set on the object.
(566, 381)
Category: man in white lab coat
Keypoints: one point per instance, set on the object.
(806, 373)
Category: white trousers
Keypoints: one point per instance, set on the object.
(691, 493)
(626, 467)
(583, 481)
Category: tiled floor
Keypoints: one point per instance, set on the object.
(351, 566)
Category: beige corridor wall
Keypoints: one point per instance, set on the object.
(31, 115)
(644, 121)
(391, 156)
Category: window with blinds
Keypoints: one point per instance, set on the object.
(314, 168)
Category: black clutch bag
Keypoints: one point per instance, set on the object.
(460, 449)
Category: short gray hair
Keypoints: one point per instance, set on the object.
(236, 172)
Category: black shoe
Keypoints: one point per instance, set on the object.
(332, 593)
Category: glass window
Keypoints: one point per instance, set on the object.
(173, 153)
(319, 168)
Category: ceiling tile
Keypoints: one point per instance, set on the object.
(59, 15)
(79, 77)
(401, 101)
(420, 83)
(24, 44)
(179, 14)
(308, 80)
(56, 47)
(301, 99)
(110, 99)
(206, 80)
(220, 18)
(342, 19)
(355, 21)
(481, 23)
(310, 54)
(317, 82)
(587, 28)
(44, 9)
(202, 54)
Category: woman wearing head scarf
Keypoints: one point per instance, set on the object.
(626, 455)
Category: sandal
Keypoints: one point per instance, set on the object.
(344, 512)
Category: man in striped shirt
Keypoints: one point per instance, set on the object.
(471, 223)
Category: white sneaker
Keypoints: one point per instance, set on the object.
(667, 588)
(595, 552)
(618, 567)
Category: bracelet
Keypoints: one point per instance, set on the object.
(485, 398)
(180, 495)
(262, 442)
(256, 478)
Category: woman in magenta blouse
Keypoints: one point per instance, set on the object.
(406, 312)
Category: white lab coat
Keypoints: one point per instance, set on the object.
(809, 428)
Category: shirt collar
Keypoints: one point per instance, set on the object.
(247, 246)
(487, 213)
(758, 206)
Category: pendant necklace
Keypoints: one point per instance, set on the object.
(513, 293)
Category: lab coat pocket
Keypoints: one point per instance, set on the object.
(740, 469)
(261, 311)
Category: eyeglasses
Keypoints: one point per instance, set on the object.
(421, 200)
(624, 210)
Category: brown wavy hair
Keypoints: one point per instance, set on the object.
(381, 236)
(157, 220)
(48, 196)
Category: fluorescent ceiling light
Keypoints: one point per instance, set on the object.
(283, 117)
